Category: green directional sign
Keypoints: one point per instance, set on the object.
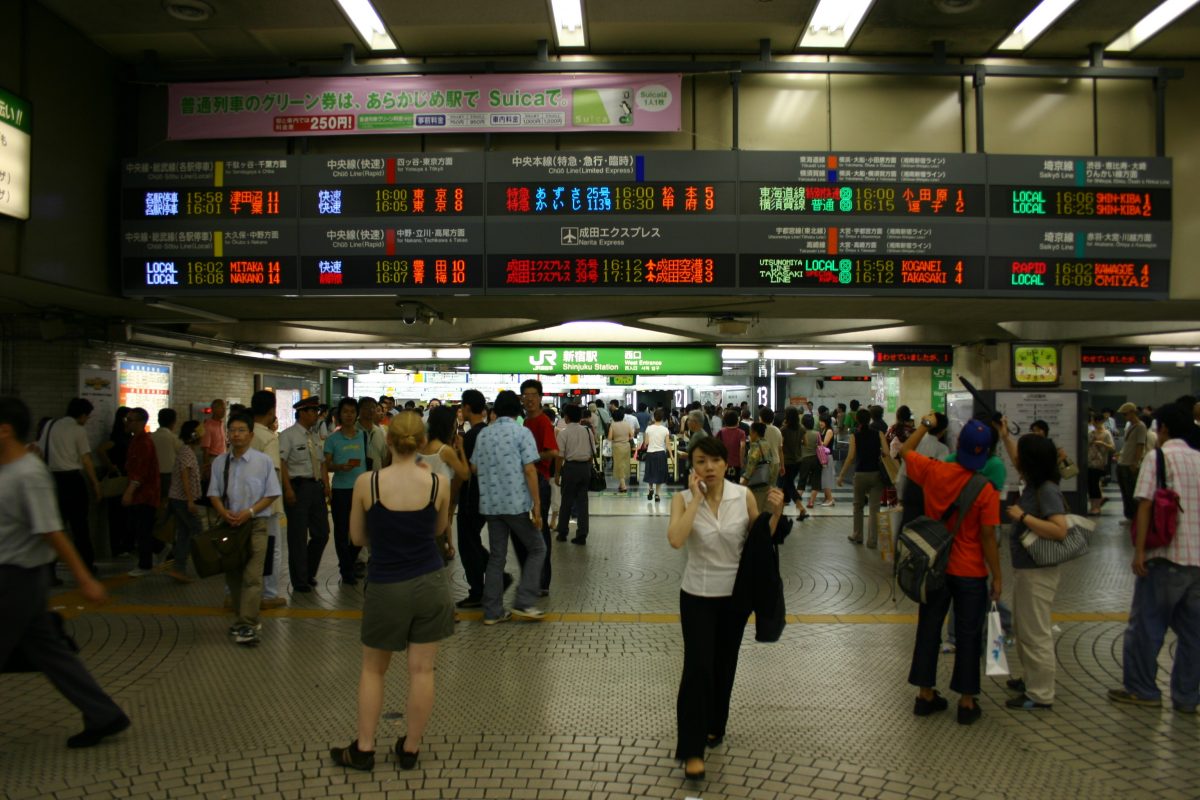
(622, 380)
(629, 360)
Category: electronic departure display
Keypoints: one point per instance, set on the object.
(550, 198)
(446, 200)
(666, 222)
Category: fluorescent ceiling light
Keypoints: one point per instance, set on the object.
(784, 374)
(729, 355)
(366, 21)
(1137, 369)
(568, 23)
(1035, 24)
(343, 353)
(802, 369)
(735, 361)
(1133, 379)
(819, 354)
(1176, 356)
(462, 366)
(834, 22)
(832, 361)
(254, 354)
(1149, 25)
(453, 353)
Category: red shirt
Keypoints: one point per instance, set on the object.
(543, 436)
(941, 482)
(141, 465)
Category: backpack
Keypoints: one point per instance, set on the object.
(923, 546)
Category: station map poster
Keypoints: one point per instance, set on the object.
(660, 222)
(99, 387)
(142, 384)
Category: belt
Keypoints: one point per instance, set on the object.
(579, 461)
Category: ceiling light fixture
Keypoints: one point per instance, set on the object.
(1175, 356)
(269, 356)
(817, 354)
(832, 361)
(368, 23)
(1035, 24)
(342, 354)
(188, 10)
(1137, 369)
(784, 374)
(732, 354)
(452, 353)
(834, 23)
(1149, 25)
(568, 23)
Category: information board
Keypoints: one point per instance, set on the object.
(1079, 227)
(1059, 410)
(827, 222)
(660, 222)
(16, 128)
(613, 360)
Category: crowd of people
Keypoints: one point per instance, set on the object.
(418, 486)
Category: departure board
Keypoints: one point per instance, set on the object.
(410, 224)
(661, 222)
(1079, 227)
(217, 227)
(658, 222)
(854, 222)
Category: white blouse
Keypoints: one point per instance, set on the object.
(714, 548)
(656, 438)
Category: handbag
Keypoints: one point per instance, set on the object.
(1067, 469)
(761, 474)
(822, 455)
(1164, 510)
(887, 465)
(1052, 552)
(597, 483)
(223, 547)
(114, 484)
(997, 659)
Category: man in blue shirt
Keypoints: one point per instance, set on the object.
(503, 461)
(247, 499)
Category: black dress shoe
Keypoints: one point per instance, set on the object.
(923, 707)
(469, 602)
(304, 587)
(90, 737)
(968, 716)
(579, 540)
(352, 757)
(562, 537)
(407, 760)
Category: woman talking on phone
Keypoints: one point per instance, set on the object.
(711, 519)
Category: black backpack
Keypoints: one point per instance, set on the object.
(923, 546)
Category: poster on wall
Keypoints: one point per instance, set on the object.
(99, 387)
(1059, 410)
(142, 384)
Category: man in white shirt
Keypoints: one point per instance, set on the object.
(65, 447)
(265, 440)
(305, 492)
(166, 447)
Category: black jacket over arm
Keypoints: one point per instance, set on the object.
(758, 587)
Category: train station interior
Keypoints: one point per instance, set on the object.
(952, 206)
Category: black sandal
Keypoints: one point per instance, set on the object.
(407, 760)
(353, 758)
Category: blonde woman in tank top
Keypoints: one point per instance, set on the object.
(711, 520)
(443, 454)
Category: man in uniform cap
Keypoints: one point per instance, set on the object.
(305, 492)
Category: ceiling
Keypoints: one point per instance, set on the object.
(272, 33)
(283, 31)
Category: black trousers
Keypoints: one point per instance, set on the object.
(74, 505)
(519, 549)
(1095, 474)
(470, 548)
(1127, 482)
(339, 505)
(28, 628)
(712, 637)
(576, 476)
(307, 530)
(141, 519)
(970, 599)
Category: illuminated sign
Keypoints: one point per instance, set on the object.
(649, 272)
(445, 200)
(211, 275)
(16, 141)
(611, 360)
(911, 200)
(550, 198)
(1114, 356)
(391, 273)
(903, 355)
(884, 272)
(1048, 202)
(181, 203)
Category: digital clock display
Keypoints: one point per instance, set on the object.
(1052, 202)
(660, 272)
(357, 200)
(213, 275)
(932, 274)
(552, 198)
(273, 202)
(328, 274)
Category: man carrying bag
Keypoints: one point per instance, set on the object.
(242, 490)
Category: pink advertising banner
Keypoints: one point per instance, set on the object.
(424, 104)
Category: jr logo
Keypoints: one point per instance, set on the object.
(544, 358)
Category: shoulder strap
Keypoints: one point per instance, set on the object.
(374, 488)
(1162, 466)
(966, 498)
(46, 451)
(225, 482)
(433, 492)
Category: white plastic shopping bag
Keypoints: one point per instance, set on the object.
(997, 659)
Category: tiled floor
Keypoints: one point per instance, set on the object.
(582, 706)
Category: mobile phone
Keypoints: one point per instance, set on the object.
(703, 487)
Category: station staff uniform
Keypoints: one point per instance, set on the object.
(300, 451)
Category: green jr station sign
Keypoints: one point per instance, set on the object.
(578, 360)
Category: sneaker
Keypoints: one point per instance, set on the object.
(1024, 701)
(469, 602)
(923, 707)
(505, 617)
(528, 614)
(828, 503)
(949, 647)
(352, 757)
(90, 737)
(969, 716)
(272, 602)
(233, 629)
(247, 636)
(138, 572)
(1122, 696)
